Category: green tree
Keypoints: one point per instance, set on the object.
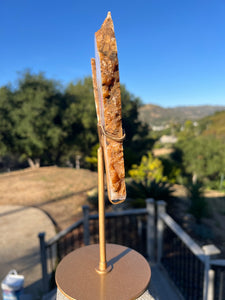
(188, 131)
(36, 117)
(80, 121)
(42, 121)
(6, 124)
(137, 142)
(203, 157)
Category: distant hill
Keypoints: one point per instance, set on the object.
(157, 115)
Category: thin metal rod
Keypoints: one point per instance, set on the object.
(101, 208)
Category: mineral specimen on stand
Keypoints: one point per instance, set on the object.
(109, 108)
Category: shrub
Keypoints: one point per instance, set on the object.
(150, 168)
(138, 192)
(198, 204)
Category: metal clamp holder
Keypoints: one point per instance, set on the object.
(111, 136)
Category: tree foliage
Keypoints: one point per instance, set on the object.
(149, 169)
(203, 157)
(40, 120)
(37, 118)
(80, 118)
(137, 142)
(214, 125)
(6, 124)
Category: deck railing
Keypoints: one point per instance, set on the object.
(127, 228)
(191, 267)
(218, 277)
(52, 251)
(153, 233)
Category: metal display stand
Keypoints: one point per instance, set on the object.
(104, 271)
(86, 274)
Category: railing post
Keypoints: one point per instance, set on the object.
(221, 286)
(161, 208)
(86, 225)
(206, 278)
(43, 261)
(150, 202)
(208, 286)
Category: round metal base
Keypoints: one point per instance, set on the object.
(77, 279)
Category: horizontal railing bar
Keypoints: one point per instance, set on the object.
(63, 233)
(217, 262)
(129, 212)
(186, 239)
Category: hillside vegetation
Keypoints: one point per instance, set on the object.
(199, 151)
(214, 125)
(157, 115)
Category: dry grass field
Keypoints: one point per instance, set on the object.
(59, 192)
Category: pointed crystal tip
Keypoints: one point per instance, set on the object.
(109, 14)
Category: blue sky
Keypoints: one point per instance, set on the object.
(171, 52)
